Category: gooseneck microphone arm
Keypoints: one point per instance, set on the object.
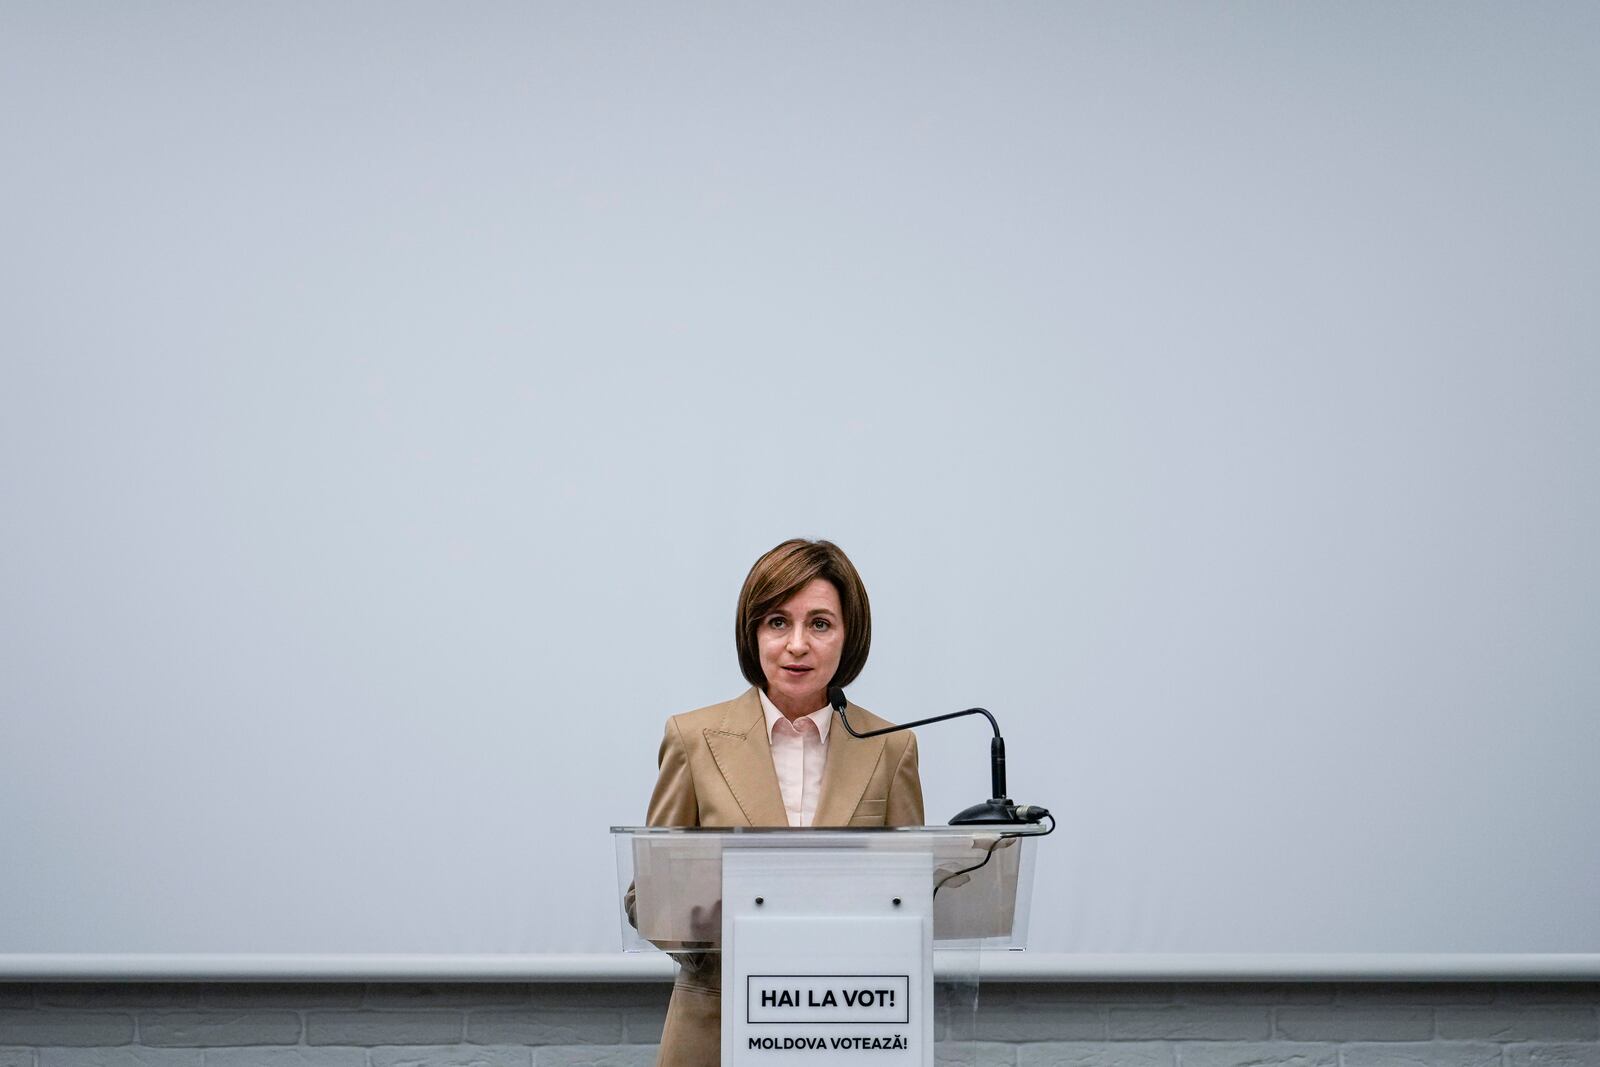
(998, 808)
(997, 745)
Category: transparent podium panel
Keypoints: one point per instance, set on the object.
(669, 879)
(805, 907)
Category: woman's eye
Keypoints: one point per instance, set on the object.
(776, 622)
(820, 624)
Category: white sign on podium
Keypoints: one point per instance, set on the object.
(827, 951)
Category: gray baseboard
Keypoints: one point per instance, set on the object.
(617, 1024)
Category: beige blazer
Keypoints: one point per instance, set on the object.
(716, 770)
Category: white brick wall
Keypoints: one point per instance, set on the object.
(1033, 1025)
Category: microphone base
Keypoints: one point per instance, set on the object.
(998, 810)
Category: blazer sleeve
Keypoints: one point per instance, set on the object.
(905, 790)
(673, 802)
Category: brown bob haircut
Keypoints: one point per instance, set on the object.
(782, 573)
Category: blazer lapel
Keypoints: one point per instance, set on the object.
(744, 756)
(851, 761)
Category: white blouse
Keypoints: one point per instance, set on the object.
(799, 751)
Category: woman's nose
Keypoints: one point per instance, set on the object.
(797, 640)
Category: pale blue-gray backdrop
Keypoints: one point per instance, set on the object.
(392, 397)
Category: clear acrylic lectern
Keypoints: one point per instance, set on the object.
(827, 937)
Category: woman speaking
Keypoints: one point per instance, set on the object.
(770, 757)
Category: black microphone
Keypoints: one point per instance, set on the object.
(998, 808)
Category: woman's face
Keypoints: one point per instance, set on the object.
(800, 642)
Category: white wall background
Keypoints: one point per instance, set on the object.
(392, 397)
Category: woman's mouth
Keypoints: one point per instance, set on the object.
(798, 670)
